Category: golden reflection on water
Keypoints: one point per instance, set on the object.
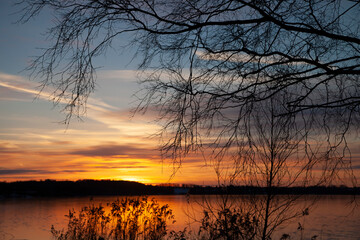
(332, 216)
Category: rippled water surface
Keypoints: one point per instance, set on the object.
(333, 217)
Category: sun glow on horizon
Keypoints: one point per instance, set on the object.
(133, 179)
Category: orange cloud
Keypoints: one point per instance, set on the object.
(117, 150)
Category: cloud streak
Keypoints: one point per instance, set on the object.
(34, 171)
(114, 150)
(19, 84)
(98, 110)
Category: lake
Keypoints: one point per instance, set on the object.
(332, 217)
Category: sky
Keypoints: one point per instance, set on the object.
(107, 143)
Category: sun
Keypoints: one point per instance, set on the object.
(132, 179)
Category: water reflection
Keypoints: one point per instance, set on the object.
(126, 218)
(331, 217)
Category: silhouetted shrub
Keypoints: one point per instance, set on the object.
(143, 219)
(128, 219)
(228, 224)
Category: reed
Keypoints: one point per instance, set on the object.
(127, 219)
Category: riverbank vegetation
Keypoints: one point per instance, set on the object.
(52, 188)
(129, 218)
(142, 218)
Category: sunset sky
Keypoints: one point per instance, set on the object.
(107, 144)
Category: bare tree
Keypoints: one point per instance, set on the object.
(243, 51)
(278, 157)
(271, 150)
(209, 57)
(253, 82)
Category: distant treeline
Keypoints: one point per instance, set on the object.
(52, 188)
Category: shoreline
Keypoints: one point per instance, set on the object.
(52, 188)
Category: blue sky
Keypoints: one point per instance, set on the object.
(107, 144)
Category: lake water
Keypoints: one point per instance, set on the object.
(333, 217)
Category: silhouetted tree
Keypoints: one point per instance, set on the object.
(236, 51)
(211, 57)
(255, 82)
(277, 154)
(270, 151)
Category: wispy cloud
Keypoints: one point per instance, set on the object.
(117, 150)
(114, 146)
(239, 57)
(20, 84)
(97, 109)
(119, 75)
(34, 171)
